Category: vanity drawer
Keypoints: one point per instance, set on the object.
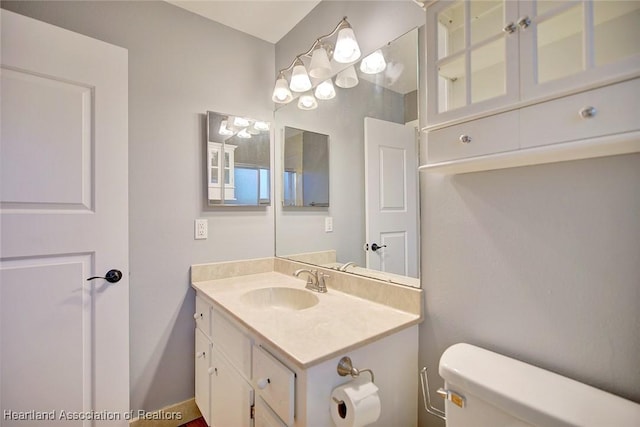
(567, 119)
(275, 383)
(203, 315)
(488, 135)
(232, 342)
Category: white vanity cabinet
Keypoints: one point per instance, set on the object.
(508, 79)
(244, 380)
(222, 380)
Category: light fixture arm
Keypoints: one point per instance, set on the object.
(342, 24)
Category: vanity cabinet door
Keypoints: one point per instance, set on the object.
(232, 342)
(264, 417)
(231, 394)
(202, 315)
(202, 356)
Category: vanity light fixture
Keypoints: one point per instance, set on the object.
(224, 130)
(307, 102)
(346, 51)
(281, 92)
(244, 133)
(347, 78)
(325, 90)
(374, 63)
(261, 126)
(240, 122)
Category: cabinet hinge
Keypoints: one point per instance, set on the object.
(252, 411)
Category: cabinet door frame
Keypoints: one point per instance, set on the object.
(511, 94)
(590, 76)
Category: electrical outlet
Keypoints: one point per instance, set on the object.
(328, 224)
(201, 229)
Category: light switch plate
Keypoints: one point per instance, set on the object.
(328, 224)
(201, 229)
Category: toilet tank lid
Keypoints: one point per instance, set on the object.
(532, 394)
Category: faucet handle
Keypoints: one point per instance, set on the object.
(322, 285)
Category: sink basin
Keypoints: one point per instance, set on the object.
(280, 298)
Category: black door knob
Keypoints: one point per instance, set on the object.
(112, 276)
(375, 247)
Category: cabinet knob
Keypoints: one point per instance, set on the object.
(262, 383)
(510, 28)
(200, 354)
(465, 139)
(524, 22)
(213, 371)
(587, 112)
(197, 316)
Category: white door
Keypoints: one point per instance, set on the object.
(64, 341)
(391, 197)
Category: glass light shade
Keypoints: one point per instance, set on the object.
(325, 90)
(240, 122)
(320, 67)
(244, 133)
(224, 130)
(300, 81)
(373, 63)
(307, 102)
(261, 126)
(347, 78)
(347, 49)
(281, 92)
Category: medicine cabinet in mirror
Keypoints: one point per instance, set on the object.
(306, 169)
(373, 166)
(238, 164)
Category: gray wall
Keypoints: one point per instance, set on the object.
(180, 66)
(538, 263)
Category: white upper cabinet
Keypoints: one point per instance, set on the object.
(490, 56)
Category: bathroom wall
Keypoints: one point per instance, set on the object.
(539, 263)
(180, 66)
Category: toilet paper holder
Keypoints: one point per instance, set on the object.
(345, 367)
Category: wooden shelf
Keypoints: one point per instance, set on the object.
(610, 145)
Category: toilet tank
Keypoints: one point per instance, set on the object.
(498, 391)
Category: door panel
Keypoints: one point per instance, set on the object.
(391, 196)
(64, 340)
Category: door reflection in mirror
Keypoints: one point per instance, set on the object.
(306, 169)
(238, 161)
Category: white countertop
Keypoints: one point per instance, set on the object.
(338, 323)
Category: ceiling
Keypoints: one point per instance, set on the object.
(265, 19)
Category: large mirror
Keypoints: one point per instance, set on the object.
(306, 169)
(238, 161)
(371, 224)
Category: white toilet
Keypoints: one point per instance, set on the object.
(486, 389)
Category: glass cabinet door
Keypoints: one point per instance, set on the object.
(473, 53)
(568, 44)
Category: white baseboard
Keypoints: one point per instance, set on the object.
(171, 416)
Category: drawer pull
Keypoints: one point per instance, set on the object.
(262, 383)
(197, 316)
(200, 354)
(465, 139)
(588, 112)
(213, 371)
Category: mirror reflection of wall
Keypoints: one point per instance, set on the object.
(238, 161)
(306, 169)
(388, 96)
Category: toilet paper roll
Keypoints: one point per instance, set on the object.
(355, 404)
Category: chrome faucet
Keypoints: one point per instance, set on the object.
(347, 265)
(315, 280)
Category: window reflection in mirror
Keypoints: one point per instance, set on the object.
(238, 161)
(306, 169)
